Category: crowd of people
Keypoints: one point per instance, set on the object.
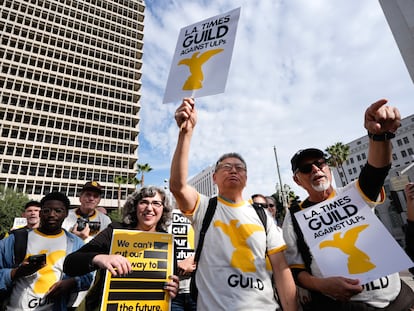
(246, 259)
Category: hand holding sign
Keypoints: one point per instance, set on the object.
(186, 115)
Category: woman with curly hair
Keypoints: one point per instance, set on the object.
(146, 209)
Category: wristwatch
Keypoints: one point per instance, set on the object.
(381, 137)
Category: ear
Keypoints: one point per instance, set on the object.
(297, 180)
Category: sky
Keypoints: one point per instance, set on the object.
(302, 74)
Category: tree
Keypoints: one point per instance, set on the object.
(143, 168)
(338, 154)
(135, 181)
(120, 180)
(11, 206)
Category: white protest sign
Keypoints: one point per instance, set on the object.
(202, 58)
(347, 239)
(19, 222)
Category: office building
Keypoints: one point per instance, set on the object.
(70, 88)
(203, 182)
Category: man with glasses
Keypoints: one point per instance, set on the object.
(232, 270)
(39, 282)
(311, 171)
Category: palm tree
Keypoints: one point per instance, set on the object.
(338, 154)
(135, 181)
(120, 180)
(143, 168)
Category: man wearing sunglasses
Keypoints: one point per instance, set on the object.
(311, 172)
(232, 271)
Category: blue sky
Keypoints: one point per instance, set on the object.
(302, 75)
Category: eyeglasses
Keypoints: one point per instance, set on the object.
(307, 168)
(270, 205)
(260, 205)
(148, 203)
(229, 167)
(47, 210)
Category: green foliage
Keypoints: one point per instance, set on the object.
(11, 206)
(115, 215)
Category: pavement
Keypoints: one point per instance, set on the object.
(407, 277)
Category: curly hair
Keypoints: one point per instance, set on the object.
(129, 210)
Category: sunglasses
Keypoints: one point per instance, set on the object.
(307, 168)
(260, 205)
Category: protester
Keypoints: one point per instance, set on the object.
(232, 273)
(271, 207)
(409, 233)
(41, 284)
(87, 221)
(146, 209)
(311, 172)
(32, 214)
(183, 300)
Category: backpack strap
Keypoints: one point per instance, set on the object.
(211, 209)
(302, 246)
(20, 245)
(262, 214)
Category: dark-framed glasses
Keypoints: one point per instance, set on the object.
(239, 167)
(154, 203)
(260, 205)
(307, 168)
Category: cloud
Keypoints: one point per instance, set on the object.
(302, 75)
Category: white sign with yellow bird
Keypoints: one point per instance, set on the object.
(202, 58)
(347, 239)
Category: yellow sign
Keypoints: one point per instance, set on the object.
(151, 257)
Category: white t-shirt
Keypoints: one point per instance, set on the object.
(378, 293)
(233, 272)
(28, 292)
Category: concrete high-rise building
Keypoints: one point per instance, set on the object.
(393, 211)
(70, 88)
(203, 182)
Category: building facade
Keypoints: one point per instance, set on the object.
(203, 182)
(393, 211)
(70, 88)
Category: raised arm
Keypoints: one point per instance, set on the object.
(381, 121)
(185, 195)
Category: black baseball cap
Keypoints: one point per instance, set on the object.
(303, 154)
(92, 186)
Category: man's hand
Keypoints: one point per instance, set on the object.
(26, 268)
(186, 266)
(186, 115)
(61, 288)
(380, 118)
(83, 234)
(339, 288)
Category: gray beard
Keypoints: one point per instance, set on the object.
(321, 187)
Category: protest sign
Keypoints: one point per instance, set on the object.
(347, 239)
(202, 57)
(151, 257)
(183, 235)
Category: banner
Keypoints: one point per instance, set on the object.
(151, 257)
(202, 58)
(347, 239)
